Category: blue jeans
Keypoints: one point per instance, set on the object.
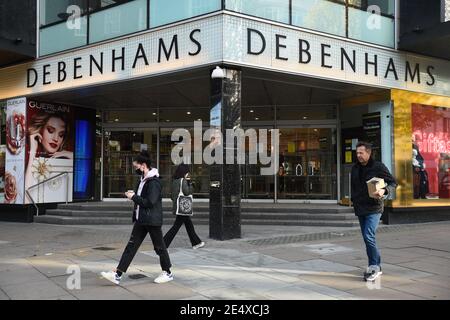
(369, 225)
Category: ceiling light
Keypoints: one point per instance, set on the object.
(188, 112)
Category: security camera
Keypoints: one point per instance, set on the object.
(218, 73)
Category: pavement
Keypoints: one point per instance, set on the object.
(41, 261)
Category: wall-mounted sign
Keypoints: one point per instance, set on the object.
(50, 135)
(15, 151)
(277, 48)
(242, 41)
(372, 132)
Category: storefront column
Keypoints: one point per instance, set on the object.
(225, 185)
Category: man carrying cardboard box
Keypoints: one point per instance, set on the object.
(369, 201)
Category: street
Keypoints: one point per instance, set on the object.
(40, 261)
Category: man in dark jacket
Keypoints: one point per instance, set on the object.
(147, 218)
(369, 209)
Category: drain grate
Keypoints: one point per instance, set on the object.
(332, 235)
(104, 248)
(137, 276)
(300, 238)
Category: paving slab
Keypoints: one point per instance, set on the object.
(428, 267)
(163, 291)
(374, 293)
(439, 281)
(34, 290)
(295, 292)
(3, 296)
(315, 265)
(425, 291)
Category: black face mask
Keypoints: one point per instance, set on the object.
(138, 172)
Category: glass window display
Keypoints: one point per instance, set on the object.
(431, 152)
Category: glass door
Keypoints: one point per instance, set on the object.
(254, 185)
(200, 172)
(307, 167)
(120, 148)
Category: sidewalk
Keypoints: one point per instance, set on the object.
(269, 262)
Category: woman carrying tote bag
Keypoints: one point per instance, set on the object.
(182, 207)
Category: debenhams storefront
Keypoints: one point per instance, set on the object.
(83, 114)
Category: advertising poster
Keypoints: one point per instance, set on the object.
(2, 172)
(50, 136)
(431, 152)
(15, 151)
(372, 133)
(215, 122)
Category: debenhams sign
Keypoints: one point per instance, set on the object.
(244, 42)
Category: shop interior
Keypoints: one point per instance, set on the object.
(312, 119)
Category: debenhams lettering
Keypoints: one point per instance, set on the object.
(118, 57)
(256, 45)
(349, 60)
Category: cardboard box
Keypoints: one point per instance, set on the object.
(375, 184)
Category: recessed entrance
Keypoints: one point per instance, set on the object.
(142, 114)
(308, 164)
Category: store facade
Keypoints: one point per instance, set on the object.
(322, 91)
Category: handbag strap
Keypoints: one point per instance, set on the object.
(181, 188)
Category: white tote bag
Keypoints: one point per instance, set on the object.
(184, 203)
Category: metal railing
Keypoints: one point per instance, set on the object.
(45, 181)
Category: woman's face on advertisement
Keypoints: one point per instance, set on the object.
(53, 134)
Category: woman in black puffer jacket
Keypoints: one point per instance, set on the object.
(147, 218)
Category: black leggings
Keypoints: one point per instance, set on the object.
(137, 236)
(179, 221)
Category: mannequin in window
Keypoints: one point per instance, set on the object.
(420, 175)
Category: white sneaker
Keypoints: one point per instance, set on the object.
(375, 275)
(373, 272)
(198, 246)
(164, 277)
(111, 276)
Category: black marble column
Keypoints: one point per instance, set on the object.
(225, 187)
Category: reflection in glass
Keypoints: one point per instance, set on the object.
(307, 164)
(121, 147)
(167, 11)
(366, 26)
(321, 15)
(51, 11)
(276, 10)
(118, 20)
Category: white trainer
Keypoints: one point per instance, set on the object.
(372, 273)
(111, 276)
(198, 246)
(164, 277)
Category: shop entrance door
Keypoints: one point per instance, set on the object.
(120, 147)
(199, 172)
(308, 164)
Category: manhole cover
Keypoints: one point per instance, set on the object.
(104, 248)
(137, 276)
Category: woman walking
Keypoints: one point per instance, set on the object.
(182, 180)
(147, 218)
